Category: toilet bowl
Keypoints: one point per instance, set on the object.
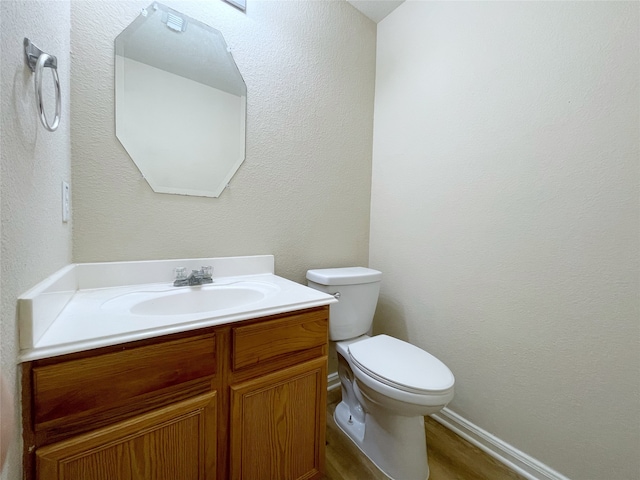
(394, 399)
(388, 385)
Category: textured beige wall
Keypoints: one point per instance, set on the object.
(302, 194)
(35, 242)
(303, 191)
(505, 217)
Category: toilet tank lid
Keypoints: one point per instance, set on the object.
(344, 276)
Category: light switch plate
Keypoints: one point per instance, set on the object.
(66, 202)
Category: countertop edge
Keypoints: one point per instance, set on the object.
(31, 354)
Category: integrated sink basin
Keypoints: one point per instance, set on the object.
(85, 306)
(197, 300)
(191, 300)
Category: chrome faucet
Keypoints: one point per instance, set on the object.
(196, 277)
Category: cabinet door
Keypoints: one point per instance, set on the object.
(278, 424)
(174, 442)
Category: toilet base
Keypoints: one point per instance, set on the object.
(395, 445)
(352, 427)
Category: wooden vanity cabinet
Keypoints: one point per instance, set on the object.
(244, 400)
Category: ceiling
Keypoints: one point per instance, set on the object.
(376, 10)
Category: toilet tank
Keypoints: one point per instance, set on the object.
(358, 287)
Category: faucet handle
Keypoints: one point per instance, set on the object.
(207, 271)
(181, 277)
(181, 273)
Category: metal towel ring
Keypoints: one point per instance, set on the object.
(37, 60)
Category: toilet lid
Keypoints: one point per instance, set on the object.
(401, 365)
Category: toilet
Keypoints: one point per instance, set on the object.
(388, 385)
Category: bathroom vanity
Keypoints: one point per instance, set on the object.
(220, 397)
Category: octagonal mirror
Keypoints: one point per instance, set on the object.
(180, 103)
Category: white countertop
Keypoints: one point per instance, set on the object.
(56, 318)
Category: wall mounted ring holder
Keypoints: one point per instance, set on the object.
(37, 60)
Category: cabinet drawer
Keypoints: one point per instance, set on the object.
(117, 381)
(260, 342)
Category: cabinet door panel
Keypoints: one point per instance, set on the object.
(278, 424)
(175, 442)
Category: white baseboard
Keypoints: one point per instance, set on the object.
(510, 456)
(333, 382)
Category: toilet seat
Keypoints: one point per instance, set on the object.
(401, 365)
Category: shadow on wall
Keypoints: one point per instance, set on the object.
(390, 319)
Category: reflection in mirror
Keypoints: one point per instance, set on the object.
(180, 103)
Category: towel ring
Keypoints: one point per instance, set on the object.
(37, 60)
